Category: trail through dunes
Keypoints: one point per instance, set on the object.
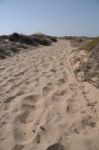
(42, 103)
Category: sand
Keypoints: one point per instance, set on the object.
(43, 103)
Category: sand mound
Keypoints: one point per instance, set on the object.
(42, 104)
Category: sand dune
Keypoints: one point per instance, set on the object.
(42, 104)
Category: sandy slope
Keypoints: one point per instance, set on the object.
(42, 103)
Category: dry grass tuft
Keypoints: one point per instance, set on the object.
(91, 44)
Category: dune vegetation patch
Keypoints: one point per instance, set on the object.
(35, 39)
(91, 44)
(15, 37)
(11, 44)
(87, 55)
(77, 41)
(91, 67)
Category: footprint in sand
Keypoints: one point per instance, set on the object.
(31, 99)
(88, 120)
(22, 118)
(28, 108)
(47, 89)
(58, 95)
(61, 82)
(25, 117)
(11, 98)
(71, 105)
(20, 127)
(55, 146)
(18, 147)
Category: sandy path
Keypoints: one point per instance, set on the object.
(41, 102)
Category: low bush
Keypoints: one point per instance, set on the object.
(91, 44)
(15, 37)
(31, 40)
(3, 37)
(53, 39)
(42, 41)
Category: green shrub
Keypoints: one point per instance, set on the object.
(42, 41)
(3, 37)
(31, 40)
(53, 39)
(47, 37)
(15, 37)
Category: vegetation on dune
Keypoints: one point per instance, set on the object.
(3, 37)
(41, 39)
(35, 39)
(91, 67)
(52, 38)
(44, 39)
(15, 42)
(91, 44)
(69, 37)
(9, 49)
(15, 37)
(77, 41)
(89, 62)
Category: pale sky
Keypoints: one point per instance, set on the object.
(53, 17)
